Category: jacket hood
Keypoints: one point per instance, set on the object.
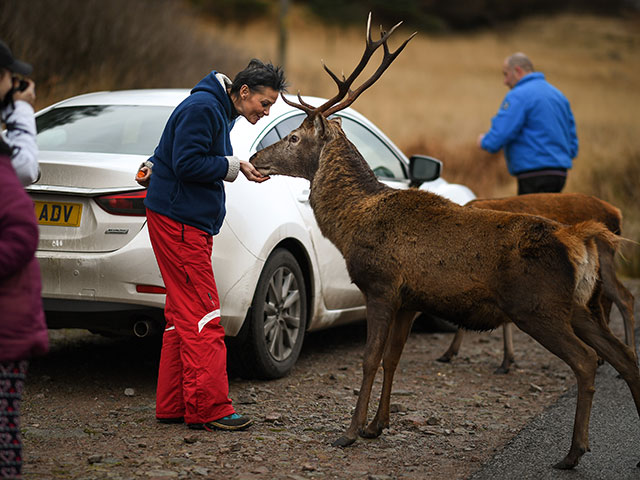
(211, 84)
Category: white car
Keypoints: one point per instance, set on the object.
(277, 276)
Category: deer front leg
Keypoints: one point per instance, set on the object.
(378, 321)
(400, 330)
(453, 349)
(508, 355)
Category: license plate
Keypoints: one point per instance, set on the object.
(58, 213)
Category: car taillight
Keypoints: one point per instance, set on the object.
(130, 203)
(150, 289)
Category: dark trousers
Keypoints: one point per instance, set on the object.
(12, 376)
(534, 183)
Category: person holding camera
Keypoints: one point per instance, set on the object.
(17, 97)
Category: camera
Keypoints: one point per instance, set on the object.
(22, 84)
(19, 85)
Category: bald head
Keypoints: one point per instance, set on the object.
(515, 67)
(520, 60)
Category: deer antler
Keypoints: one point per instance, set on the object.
(344, 86)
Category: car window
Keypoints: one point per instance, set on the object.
(288, 125)
(269, 139)
(123, 129)
(281, 130)
(378, 155)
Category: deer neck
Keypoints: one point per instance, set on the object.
(341, 187)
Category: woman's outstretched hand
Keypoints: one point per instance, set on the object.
(251, 173)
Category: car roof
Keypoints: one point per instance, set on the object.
(170, 97)
(243, 136)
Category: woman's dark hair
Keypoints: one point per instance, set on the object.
(258, 75)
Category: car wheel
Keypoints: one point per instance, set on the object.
(276, 322)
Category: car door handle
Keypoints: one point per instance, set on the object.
(303, 197)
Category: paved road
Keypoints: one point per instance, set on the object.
(614, 439)
(614, 436)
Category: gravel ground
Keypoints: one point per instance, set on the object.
(88, 411)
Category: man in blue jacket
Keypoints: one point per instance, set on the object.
(535, 126)
(185, 207)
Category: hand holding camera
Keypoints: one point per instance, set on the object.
(24, 89)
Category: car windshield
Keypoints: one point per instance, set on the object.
(124, 129)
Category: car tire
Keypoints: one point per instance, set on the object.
(276, 322)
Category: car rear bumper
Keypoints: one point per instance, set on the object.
(110, 277)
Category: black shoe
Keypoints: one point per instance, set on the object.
(171, 420)
(231, 422)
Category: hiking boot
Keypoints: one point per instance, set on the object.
(231, 422)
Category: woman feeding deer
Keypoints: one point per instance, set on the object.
(185, 208)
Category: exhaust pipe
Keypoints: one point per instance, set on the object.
(142, 328)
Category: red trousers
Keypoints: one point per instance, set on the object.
(192, 377)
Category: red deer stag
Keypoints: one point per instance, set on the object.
(568, 208)
(410, 251)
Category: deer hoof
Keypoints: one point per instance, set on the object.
(443, 359)
(570, 460)
(501, 370)
(564, 465)
(371, 432)
(343, 441)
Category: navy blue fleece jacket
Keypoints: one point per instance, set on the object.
(189, 163)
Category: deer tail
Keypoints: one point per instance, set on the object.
(582, 241)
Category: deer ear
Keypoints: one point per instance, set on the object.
(319, 125)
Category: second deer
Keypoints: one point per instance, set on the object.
(567, 208)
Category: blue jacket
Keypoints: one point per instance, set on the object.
(535, 127)
(189, 163)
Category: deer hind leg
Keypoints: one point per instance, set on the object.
(379, 318)
(454, 348)
(619, 355)
(508, 357)
(400, 330)
(557, 336)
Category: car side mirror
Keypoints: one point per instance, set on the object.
(423, 169)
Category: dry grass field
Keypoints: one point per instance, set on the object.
(442, 91)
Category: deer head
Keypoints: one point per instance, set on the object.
(298, 154)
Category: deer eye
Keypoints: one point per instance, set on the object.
(294, 138)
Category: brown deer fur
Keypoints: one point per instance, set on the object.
(411, 251)
(567, 208)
